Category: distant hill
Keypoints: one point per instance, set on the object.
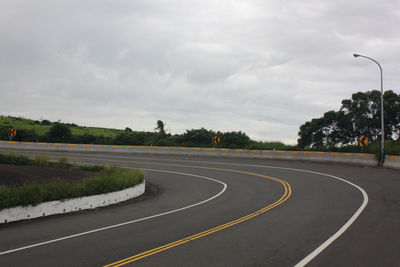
(43, 126)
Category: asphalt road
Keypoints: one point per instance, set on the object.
(293, 219)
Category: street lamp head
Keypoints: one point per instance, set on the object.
(356, 55)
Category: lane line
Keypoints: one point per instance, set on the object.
(283, 198)
(325, 244)
(331, 239)
(286, 195)
(336, 235)
(133, 221)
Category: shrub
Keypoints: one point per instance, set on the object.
(15, 159)
(41, 160)
(62, 162)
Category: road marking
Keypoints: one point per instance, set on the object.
(330, 240)
(133, 221)
(324, 245)
(282, 199)
(336, 235)
(204, 233)
(286, 195)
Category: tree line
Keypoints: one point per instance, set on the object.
(61, 133)
(359, 116)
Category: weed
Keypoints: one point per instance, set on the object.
(15, 159)
(62, 162)
(41, 160)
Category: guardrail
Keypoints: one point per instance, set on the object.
(334, 157)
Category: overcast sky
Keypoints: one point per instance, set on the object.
(262, 67)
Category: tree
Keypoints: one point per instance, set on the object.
(364, 111)
(26, 135)
(160, 127)
(358, 116)
(59, 132)
(234, 139)
(130, 138)
(330, 130)
(46, 122)
(198, 137)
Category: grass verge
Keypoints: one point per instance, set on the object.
(105, 179)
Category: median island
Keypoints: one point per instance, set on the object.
(30, 181)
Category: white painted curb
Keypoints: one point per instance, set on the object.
(70, 205)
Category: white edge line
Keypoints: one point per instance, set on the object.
(129, 222)
(324, 245)
(330, 240)
(336, 235)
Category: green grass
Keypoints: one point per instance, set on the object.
(107, 180)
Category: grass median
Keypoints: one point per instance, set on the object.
(105, 179)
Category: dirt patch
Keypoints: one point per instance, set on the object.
(13, 175)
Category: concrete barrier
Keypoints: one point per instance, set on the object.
(360, 159)
(392, 162)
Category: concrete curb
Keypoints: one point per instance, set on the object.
(359, 159)
(392, 162)
(70, 205)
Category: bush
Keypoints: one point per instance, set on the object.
(15, 159)
(62, 162)
(60, 132)
(41, 160)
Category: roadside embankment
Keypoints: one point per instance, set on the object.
(31, 188)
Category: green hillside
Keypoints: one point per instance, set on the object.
(42, 127)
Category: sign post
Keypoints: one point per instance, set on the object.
(363, 142)
(216, 140)
(12, 133)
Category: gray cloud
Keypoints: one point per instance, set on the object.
(263, 67)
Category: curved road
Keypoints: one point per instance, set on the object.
(223, 212)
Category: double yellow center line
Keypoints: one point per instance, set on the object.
(286, 195)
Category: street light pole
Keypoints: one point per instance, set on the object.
(382, 119)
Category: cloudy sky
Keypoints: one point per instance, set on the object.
(262, 67)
